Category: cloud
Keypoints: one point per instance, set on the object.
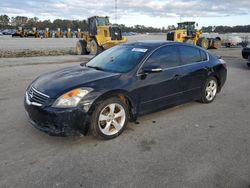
(79, 9)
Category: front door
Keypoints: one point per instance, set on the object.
(158, 89)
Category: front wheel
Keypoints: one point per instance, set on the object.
(95, 49)
(209, 90)
(203, 42)
(109, 118)
(81, 47)
(248, 63)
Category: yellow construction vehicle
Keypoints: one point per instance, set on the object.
(101, 35)
(186, 32)
(33, 33)
(20, 32)
(59, 33)
(79, 33)
(47, 33)
(69, 33)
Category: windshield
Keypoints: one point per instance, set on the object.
(118, 59)
(102, 21)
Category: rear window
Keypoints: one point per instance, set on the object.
(190, 54)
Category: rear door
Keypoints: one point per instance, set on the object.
(194, 71)
(156, 90)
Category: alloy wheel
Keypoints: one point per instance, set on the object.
(211, 90)
(111, 119)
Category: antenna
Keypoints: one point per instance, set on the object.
(116, 11)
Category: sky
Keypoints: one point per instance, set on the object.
(156, 13)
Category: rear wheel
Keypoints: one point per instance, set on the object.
(216, 43)
(81, 47)
(109, 118)
(95, 49)
(209, 90)
(203, 42)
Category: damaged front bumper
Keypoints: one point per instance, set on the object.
(58, 122)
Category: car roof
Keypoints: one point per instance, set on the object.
(149, 43)
(153, 44)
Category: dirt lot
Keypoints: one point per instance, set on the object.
(193, 145)
(32, 47)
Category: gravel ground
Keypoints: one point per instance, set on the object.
(32, 47)
(190, 146)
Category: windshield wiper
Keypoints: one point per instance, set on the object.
(94, 67)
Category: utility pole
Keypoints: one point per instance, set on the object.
(116, 11)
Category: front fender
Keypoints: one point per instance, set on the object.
(98, 97)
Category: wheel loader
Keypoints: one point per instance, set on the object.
(101, 35)
(186, 32)
(69, 33)
(33, 33)
(58, 33)
(20, 32)
(47, 33)
(79, 33)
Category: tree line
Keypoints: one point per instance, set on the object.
(25, 22)
(227, 29)
(7, 22)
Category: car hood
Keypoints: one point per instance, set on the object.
(58, 82)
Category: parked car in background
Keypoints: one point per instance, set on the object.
(120, 84)
(246, 54)
(8, 31)
(232, 41)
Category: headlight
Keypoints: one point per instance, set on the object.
(71, 98)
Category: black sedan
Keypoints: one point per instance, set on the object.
(246, 54)
(120, 84)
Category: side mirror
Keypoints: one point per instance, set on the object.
(151, 69)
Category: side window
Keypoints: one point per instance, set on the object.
(189, 54)
(166, 57)
(203, 55)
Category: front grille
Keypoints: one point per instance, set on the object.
(37, 96)
(115, 33)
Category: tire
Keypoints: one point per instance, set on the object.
(216, 44)
(81, 47)
(203, 42)
(110, 127)
(95, 49)
(208, 93)
(248, 63)
(228, 45)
